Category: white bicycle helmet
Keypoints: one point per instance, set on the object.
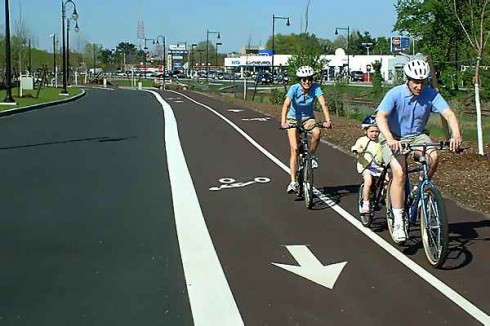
(304, 71)
(417, 69)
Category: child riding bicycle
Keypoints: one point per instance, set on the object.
(369, 158)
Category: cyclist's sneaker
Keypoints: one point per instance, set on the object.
(293, 187)
(314, 162)
(364, 209)
(399, 230)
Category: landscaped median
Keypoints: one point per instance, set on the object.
(47, 96)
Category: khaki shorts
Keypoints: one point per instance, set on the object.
(307, 123)
(412, 140)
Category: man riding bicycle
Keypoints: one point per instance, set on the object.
(298, 108)
(402, 117)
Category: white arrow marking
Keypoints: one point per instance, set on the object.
(235, 110)
(311, 268)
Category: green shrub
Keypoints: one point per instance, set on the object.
(277, 96)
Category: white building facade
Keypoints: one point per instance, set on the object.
(391, 65)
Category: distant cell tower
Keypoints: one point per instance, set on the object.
(141, 25)
(141, 29)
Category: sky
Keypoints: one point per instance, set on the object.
(239, 22)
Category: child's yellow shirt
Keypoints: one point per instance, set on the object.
(369, 154)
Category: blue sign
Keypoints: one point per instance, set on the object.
(400, 43)
(265, 52)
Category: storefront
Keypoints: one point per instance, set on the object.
(337, 63)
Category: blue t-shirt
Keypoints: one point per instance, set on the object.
(302, 105)
(408, 114)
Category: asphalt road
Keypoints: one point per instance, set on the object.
(124, 209)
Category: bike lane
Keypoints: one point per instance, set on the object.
(254, 225)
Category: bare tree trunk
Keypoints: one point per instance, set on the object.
(478, 108)
(477, 37)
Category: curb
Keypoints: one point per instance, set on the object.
(41, 105)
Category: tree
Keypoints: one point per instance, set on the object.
(125, 53)
(288, 44)
(381, 46)
(306, 51)
(358, 41)
(91, 55)
(475, 27)
(438, 35)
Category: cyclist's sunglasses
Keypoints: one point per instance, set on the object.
(305, 79)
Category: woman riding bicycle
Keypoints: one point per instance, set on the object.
(402, 117)
(298, 108)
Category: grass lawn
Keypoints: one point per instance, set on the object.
(47, 94)
(127, 82)
(467, 124)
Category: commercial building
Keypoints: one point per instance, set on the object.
(337, 64)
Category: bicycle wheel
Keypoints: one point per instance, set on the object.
(434, 226)
(366, 219)
(390, 220)
(308, 183)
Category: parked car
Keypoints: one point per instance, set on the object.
(357, 75)
(264, 78)
(282, 78)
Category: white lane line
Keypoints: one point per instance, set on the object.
(210, 297)
(99, 87)
(451, 294)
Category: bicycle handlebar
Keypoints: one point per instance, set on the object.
(302, 128)
(442, 145)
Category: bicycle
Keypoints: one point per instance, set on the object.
(423, 203)
(304, 175)
(377, 195)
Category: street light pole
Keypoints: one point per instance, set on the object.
(63, 17)
(193, 45)
(274, 17)
(216, 58)
(8, 77)
(144, 51)
(207, 50)
(30, 58)
(68, 46)
(164, 56)
(54, 57)
(348, 46)
(93, 50)
(200, 62)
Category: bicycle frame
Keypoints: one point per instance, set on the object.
(304, 160)
(303, 146)
(427, 204)
(304, 175)
(378, 187)
(411, 204)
